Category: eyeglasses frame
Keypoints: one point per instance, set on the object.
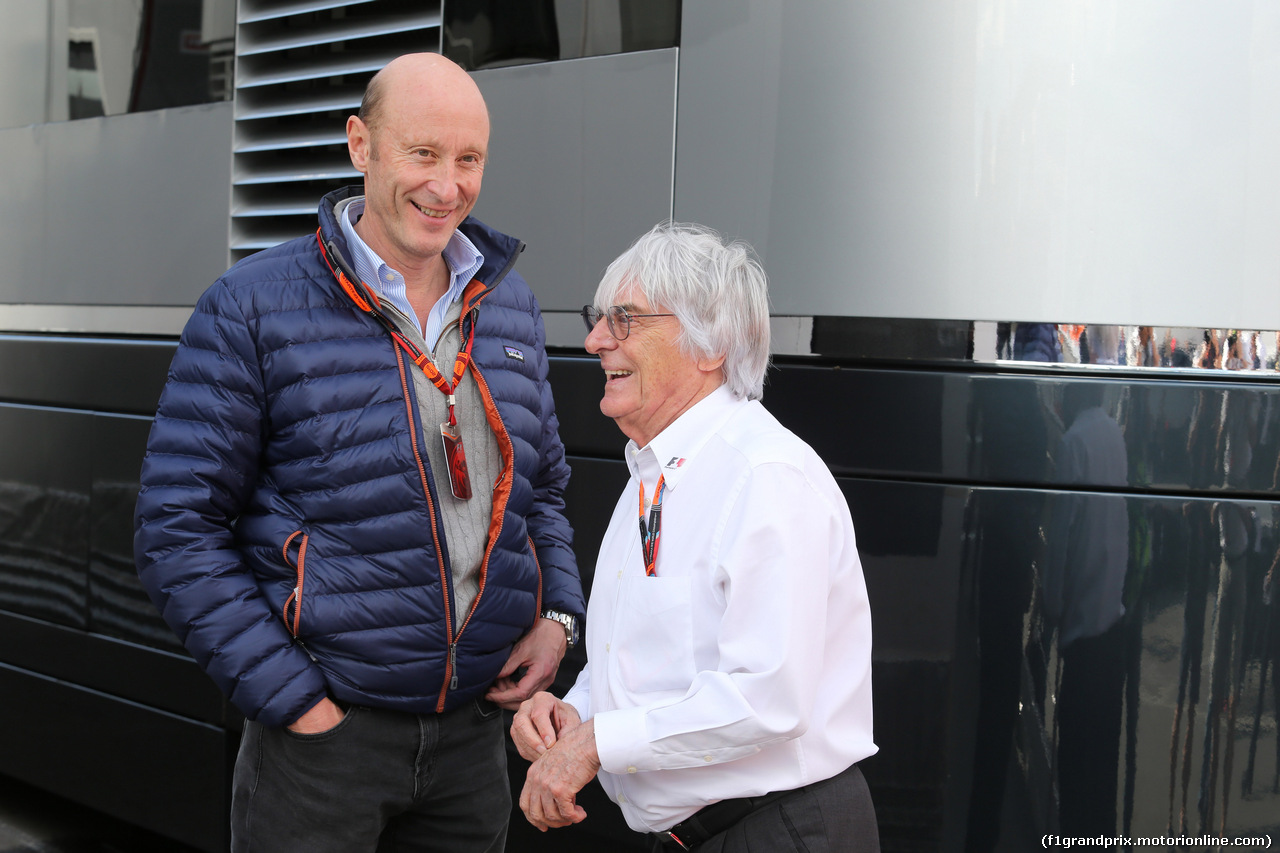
(613, 316)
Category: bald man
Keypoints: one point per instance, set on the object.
(351, 503)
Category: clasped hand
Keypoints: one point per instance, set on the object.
(549, 733)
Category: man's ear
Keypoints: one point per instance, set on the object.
(711, 365)
(359, 141)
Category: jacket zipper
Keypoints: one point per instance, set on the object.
(426, 491)
(300, 570)
(500, 509)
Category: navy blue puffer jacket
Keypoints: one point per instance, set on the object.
(286, 490)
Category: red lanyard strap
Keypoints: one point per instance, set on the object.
(433, 373)
(651, 533)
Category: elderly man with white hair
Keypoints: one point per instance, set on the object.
(727, 692)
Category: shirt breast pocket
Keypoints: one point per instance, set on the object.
(651, 647)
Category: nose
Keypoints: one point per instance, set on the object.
(600, 338)
(444, 183)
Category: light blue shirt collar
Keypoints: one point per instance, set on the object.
(461, 257)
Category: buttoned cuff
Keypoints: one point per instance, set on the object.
(621, 739)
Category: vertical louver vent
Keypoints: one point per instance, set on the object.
(301, 67)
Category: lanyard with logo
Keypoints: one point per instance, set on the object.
(651, 533)
(454, 453)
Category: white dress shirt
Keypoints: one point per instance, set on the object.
(744, 665)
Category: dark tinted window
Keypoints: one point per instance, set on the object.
(493, 33)
(106, 57)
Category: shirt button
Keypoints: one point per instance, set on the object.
(631, 770)
(622, 798)
(619, 574)
(606, 647)
(706, 758)
(391, 276)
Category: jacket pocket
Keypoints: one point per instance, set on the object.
(295, 556)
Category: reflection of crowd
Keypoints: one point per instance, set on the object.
(1109, 564)
(1138, 346)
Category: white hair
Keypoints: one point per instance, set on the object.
(717, 291)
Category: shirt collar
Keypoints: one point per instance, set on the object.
(460, 254)
(673, 448)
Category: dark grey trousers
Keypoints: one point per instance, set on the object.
(832, 816)
(378, 782)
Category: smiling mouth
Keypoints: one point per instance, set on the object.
(610, 375)
(431, 213)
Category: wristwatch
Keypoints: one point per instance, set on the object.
(569, 622)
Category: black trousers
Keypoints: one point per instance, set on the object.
(832, 816)
(378, 781)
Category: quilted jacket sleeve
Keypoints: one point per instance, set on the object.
(200, 469)
(549, 529)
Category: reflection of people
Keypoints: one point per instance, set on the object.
(1083, 588)
(1014, 448)
(727, 693)
(308, 534)
(1237, 437)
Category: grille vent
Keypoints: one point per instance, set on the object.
(301, 67)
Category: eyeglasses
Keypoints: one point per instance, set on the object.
(619, 319)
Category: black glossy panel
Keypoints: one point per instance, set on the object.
(118, 606)
(578, 385)
(170, 682)
(593, 490)
(900, 339)
(84, 373)
(1127, 652)
(160, 771)
(44, 513)
(971, 520)
(1180, 435)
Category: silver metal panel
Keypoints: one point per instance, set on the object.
(330, 168)
(95, 319)
(24, 54)
(1057, 161)
(247, 109)
(266, 70)
(122, 210)
(266, 41)
(580, 164)
(265, 11)
(274, 139)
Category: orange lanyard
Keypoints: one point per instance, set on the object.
(433, 373)
(419, 358)
(455, 454)
(651, 533)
